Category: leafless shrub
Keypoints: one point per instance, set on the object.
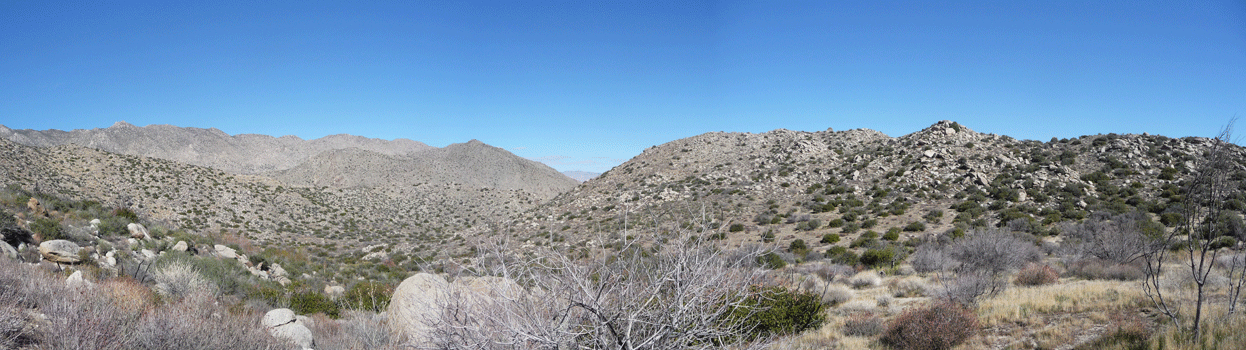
(685, 295)
(357, 330)
(1118, 238)
(198, 322)
(865, 324)
(883, 300)
(1036, 275)
(968, 286)
(938, 326)
(982, 259)
(1095, 269)
(931, 257)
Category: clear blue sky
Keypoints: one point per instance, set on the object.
(584, 85)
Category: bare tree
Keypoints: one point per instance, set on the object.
(1119, 238)
(976, 265)
(1204, 208)
(683, 294)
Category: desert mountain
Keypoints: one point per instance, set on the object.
(785, 185)
(213, 148)
(473, 164)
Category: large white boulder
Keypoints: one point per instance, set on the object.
(420, 300)
(284, 324)
(225, 252)
(60, 251)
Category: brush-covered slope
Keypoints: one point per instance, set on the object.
(470, 165)
(203, 199)
(802, 185)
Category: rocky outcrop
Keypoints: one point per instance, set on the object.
(60, 251)
(225, 252)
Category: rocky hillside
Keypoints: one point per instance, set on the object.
(213, 148)
(472, 164)
(338, 218)
(786, 185)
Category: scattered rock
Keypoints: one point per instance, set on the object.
(138, 231)
(180, 246)
(277, 271)
(95, 223)
(225, 252)
(147, 254)
(60, 251)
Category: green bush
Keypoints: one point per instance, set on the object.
(916, 226)
(367, 296)
(798, 247)
(830, 238)
(736, 228)
(841, 255)
(307, 303)
(877, 257)
(892, 234)
(48, 229)
(771, 261)
(777, 311)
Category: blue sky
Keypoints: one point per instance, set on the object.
(585, 85)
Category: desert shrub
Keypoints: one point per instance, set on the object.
(798, 246)
(307, 303)
(179, 279)
(125, 213)
(836, 294)
(777, 311)
(877, 257)
(841, 255)
(1096, 269)
(892, 234)
(771, 260)
(200, 322)
(367, 296)
(736, 228)
(228, 275)
(865, 280)
(1036, 275)
(864, 324)
(907, 287)
(112, 227)
(937, 326)
(932, 257)
(830, 238)
(48, 229)
(916, 226)
(355, 330)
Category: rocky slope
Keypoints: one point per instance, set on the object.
(802, 185)
(245, 153)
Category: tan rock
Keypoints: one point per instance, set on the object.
(60, 251)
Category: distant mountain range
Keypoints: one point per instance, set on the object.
(580, 176)
(342, 187)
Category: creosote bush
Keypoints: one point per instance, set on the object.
(937, 326)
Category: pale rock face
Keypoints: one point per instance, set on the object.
(284, 324)
(36, 208)
(180, 246)
(76, 280)
(95, 222)
(8, 250)
(59, 250)
(138, 231)
(334, 291)
(225, 252)
(419, 300)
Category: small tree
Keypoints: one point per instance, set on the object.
(1204, 209)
